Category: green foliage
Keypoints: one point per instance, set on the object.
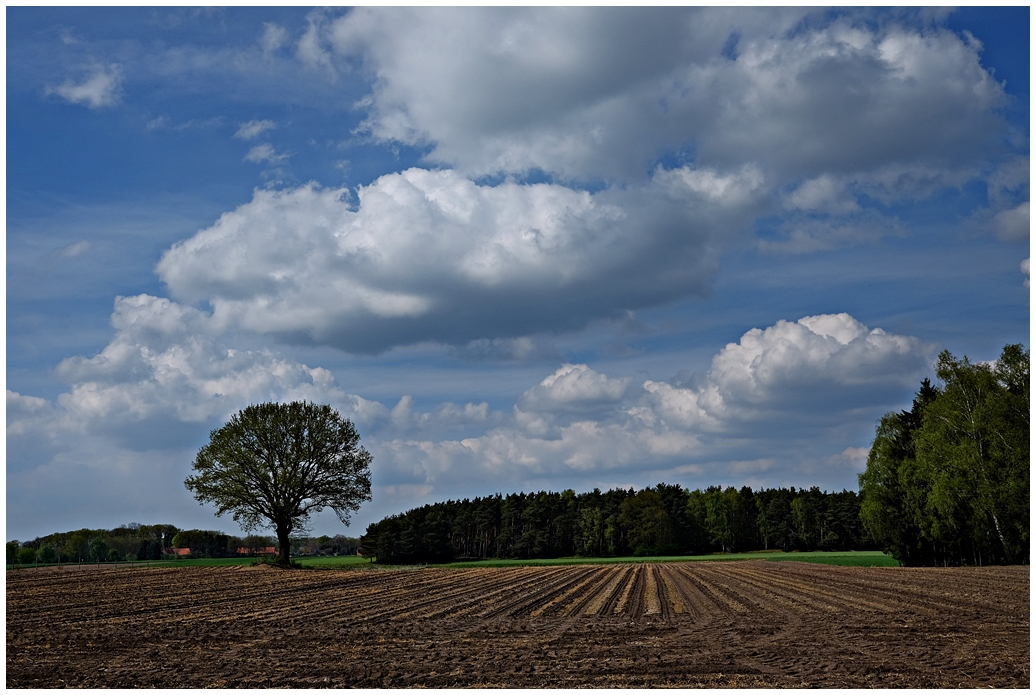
(662, 520)
(98, 549)
(128, 542)
(649, 525)
(149, 549)
(276, 464)
(774, 519)
(948, 481)
(729, 518)
(77, 547)
(591, 530)
(47, 553)
(206, 543)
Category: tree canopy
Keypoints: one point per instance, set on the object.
(663, 520)
(277, 464)
(947, 482)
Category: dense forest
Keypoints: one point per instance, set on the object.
(947, 482)
(663, 520)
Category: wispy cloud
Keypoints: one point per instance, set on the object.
(274, 36)
(312, 49)
(1013, 224)
(253, 129)
(100, 88)
(164, 123)
(76, 249)
(265, 153)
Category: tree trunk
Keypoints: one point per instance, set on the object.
(1000, 535)
(285, 551)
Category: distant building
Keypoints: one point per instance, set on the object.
(268, 550)
(177, 551)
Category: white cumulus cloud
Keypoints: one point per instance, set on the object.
(795, 368)
(796, 394)
(589, 93)
(573, 387)
(828, 114)
(432, 256)
(166, 361)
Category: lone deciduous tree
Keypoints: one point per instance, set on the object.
(276, 464)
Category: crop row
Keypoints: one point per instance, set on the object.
(666, 592)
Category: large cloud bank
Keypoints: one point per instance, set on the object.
(432, 256)
(588, 93)
(691, 126)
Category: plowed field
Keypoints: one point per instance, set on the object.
(754, 624)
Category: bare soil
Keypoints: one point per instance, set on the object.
(740, 624)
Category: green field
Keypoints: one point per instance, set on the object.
(865, 558)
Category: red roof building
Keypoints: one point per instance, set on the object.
(269, 550)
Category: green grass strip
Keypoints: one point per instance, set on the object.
(863, 558)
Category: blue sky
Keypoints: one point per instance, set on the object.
(521, 248)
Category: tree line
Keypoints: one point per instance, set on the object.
(663, 520)
(127, 542)
(947, 482)
(138, 542)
